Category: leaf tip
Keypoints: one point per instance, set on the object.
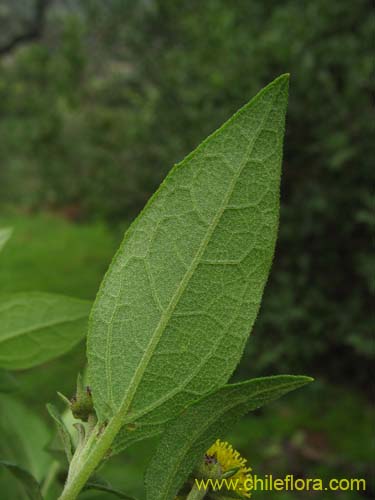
(64, 398)
(282, 80)
(304, 379)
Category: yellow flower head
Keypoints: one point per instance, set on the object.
(229, 459)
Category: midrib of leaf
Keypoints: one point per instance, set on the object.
(40, 327)
(138, 374)
(209, 422)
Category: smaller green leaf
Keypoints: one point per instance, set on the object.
(101, 485)
(190, 435)
(62, 431)
(230, 472)
(5, 234)
(29, 483)
(37, 327)
(64, 399)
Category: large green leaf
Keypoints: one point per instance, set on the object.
(187, 438)
(182, 293)
(5, 234)
(36, 327)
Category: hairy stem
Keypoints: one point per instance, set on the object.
(90, 457)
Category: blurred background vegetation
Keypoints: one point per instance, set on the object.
(99, 99)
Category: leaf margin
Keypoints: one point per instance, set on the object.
(197, 411)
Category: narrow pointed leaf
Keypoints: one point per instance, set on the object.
(36, 327)
(62, 430)
(192, 433)
(100, 485)
(5, 234)
(29, 483)
(181, 295)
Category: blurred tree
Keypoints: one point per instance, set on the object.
(16, 28)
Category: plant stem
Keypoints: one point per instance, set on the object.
(196, 493)
(90, 457)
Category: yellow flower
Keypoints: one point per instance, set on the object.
(229, 459)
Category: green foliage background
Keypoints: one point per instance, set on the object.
(95, 113)
(94, 117)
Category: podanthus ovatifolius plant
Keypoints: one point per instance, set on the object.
(175, 309)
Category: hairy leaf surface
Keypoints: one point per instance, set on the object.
(182, 293)
(185, 440)
(36, 327)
